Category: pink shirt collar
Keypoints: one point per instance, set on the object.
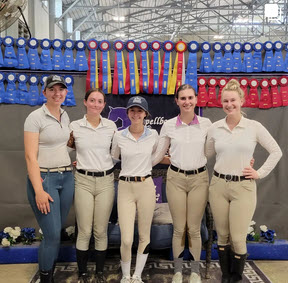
(195, 121)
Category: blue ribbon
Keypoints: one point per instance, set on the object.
(145, 69)
(191, 72)
(68, 55)
(268, 65)
(22, 57)
(257, 57)
(121, 82)
(93, 52)
(70, 99)
(206, 62)
(22, 89)
(228, 60)
(286, 58)
(1, 56)
(156, 66)
(11, 91)
(10, 59)
(278, 58)
(33, 91)
(237, 60)
(248, 58)
(105, 65)
(132, 69)
(2, 88)
(45, 57)
(57, 57)
(42, 99)
(218, 58)
(33, 56)
(81, 61)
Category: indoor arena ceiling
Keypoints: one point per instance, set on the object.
(218, 20)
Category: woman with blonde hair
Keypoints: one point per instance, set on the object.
(232, 191)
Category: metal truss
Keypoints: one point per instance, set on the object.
(216, 20)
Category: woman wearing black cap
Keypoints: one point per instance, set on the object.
(50, 186)
(136, 190)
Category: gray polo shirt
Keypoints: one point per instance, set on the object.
(53, 137)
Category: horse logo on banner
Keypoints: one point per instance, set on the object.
(119, 113)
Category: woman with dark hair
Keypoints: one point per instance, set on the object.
(50, 185)
(91, 136)
(232, 191)
(136, 190)
(187, 178)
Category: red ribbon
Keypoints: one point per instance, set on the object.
(222, 82)
(88, 72)
(244, 85)
(127, 83)
(265, 97)
(101, 72)
(276, 96)
(253, 94)
(212, 97)
(202, 97)
(283, 82)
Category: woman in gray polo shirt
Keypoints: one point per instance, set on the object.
(50, 185)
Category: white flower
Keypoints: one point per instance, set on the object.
(250, 230)
(8, 229)
(5, 242)
(252, 234)
(252, 223)
(263, 228)
(70, 230)
(40, 231)
(14, 234)
(17, 228)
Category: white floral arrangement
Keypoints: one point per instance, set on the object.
(266, 235)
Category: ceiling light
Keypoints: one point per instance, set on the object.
(218, 37)
(120, 34)
(271, 10)
(119, 19)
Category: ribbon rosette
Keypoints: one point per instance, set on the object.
(244, 82)
(143, 47)
(42, 99)
(70, 99)
(10, 59)
(10, 95)
(33, 56)
(132, 75)
(276, 96)
(1, 56)
(265, 97)
(81, 61)
(155, 67)
(33, 90)
(119, 68)
(202, 97)
(212, 97)
(57, 57)
(221, 82)
(218, 57)
(22, 89)
(257, 57)
(92, 73)
(253, 94)
(278, 58)
(105, 80)
(206, 62)
(69, 63)
(268, 65)
(237, 61)
(191, 72)
(22, 57)
(166, 69)
(2, 88)
(228, 63)
(45, 57)
(283, 82)
(286, 58)
(247, 66)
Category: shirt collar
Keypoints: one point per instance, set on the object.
(126, 133)
(84, 122)
(47, 112)
(195, 121)
(242, 123)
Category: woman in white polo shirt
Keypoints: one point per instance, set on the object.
(92, 136)
(232, 191)
(136, 190)
(187, 178)
(50, 185)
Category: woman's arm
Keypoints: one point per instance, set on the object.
(42, 198)
(209, 144)
(115, 150)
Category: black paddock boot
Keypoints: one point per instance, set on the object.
(237, 267)
(224, 260)
(100, 261)
(46, 276)
(82, 259)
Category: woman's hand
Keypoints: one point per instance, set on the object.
(42, 200)
(252, 161)
(250, 173)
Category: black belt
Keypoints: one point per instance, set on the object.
(96, 174)
(229, 178)
(188, 172)
(134, 179)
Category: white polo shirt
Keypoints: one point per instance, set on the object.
(234, 149)
(93, 144)
(136, 155)
(53, 137)
(187, 143)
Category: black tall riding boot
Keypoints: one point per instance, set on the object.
(224, 260)
(100, 261)
(237, 267)
(82, 259)
(46, 276)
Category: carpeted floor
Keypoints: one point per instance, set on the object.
(156, 271)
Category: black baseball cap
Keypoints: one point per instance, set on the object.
(139, 102)
(53, 80)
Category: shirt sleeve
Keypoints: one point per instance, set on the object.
(210, 144)
(32, 124)
(162, 146)
(115, 150)
(267, 141)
